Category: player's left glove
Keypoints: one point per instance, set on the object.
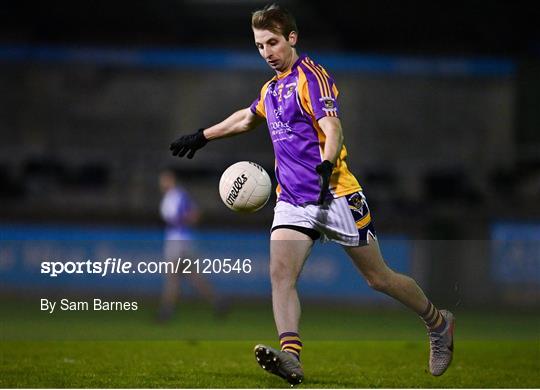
(191, 143)
(324, 170)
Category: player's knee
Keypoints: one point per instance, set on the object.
(378, 283)
(282, 278)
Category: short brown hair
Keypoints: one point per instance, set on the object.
(274, 18)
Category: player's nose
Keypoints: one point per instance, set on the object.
(267, 53)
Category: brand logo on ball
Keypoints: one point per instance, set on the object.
(236, 187)
(245, 187)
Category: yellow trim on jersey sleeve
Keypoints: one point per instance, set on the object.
(260, 108)
(342, 181)
(335, 90)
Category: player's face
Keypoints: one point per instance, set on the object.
(277, 51)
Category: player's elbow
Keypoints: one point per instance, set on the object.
(245, 125)
(249, 120)
(339, 135)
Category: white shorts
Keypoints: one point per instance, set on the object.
(345, 220)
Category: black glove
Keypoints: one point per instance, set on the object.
(324, 170)
(191, 143)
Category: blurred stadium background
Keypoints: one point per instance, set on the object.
(440, 107)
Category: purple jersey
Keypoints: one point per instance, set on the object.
(292, 103)
(175, 207)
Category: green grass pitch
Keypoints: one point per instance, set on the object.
(343, 348)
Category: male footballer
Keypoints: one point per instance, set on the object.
(317, 196)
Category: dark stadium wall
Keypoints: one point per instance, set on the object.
(90, 139)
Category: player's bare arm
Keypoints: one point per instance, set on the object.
(331, 127)
(239, 122)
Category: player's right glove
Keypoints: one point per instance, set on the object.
(324, 170)
(188, 143)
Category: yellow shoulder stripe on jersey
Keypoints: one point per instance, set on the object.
(326, 77)
(322, 78)
(335, 91)
(319, 77)
(323, 70)
(323, 84)
(323, 74)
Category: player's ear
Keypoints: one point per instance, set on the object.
(293, 38)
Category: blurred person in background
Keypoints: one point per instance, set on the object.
(318, 197)
(180, 214)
